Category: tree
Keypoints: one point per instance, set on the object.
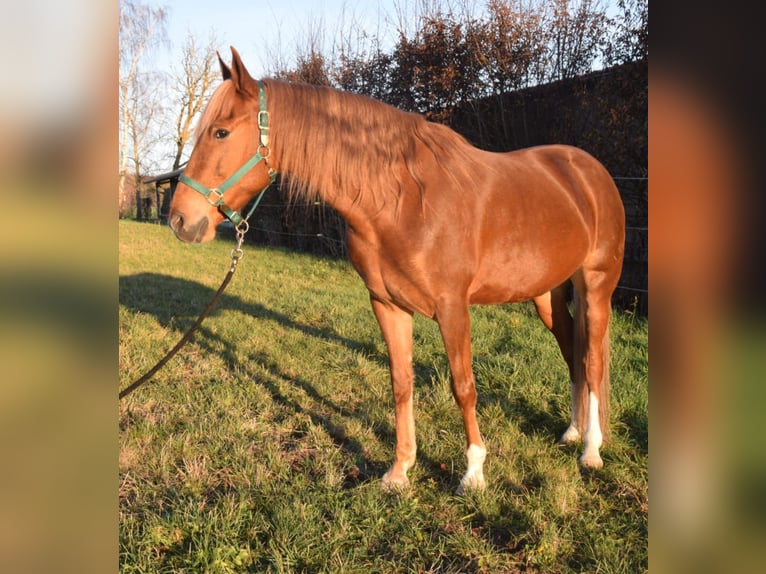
(438, 68)
(311, 65)
(512, 45)
(141, 30)
(142, 109)
(576, 34)
(311, 68)
(630, 40)
(193, 85)
(363, 73)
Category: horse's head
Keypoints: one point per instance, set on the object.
(228, 164)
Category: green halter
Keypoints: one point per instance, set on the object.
(214, 195)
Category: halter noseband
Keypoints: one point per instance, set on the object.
(214, 195)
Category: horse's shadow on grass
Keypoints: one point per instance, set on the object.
(176, 302)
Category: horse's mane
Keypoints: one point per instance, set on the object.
(328, 141)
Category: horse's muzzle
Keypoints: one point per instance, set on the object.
(189, 233)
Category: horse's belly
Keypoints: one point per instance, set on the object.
(522, 275)
(490, 293)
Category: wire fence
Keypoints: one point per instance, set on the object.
(632, 292)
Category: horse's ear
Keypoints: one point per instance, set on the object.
(225, 70)
(239, 74)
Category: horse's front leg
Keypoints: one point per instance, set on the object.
(455, 327)
(396, 325)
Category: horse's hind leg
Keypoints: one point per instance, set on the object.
(591, 357)
(553, 311)
(455, 327)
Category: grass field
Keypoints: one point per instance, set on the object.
(260, 447)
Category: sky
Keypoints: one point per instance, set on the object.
(264, 30)
(267, 33)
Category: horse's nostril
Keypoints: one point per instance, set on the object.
(176, 221)
(185, 231)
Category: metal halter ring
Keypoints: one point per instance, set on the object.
(215, 202)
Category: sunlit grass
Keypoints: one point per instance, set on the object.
(260, 447)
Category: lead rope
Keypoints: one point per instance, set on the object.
(236, 255)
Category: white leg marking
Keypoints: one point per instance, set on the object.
(590, 457)
(474, 475)
(572, 434)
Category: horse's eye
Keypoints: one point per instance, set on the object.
(221, 134)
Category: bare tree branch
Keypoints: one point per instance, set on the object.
(193, 84)
(142, 28)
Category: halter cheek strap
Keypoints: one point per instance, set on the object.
(214, 195)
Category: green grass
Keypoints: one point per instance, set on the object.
(260, 447)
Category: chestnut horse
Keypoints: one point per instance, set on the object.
(434, 225)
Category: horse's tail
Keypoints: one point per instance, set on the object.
(580, 391)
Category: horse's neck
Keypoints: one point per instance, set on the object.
(360, 214)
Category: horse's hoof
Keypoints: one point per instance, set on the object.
(393, 484)
(473, 483)
(590, 461)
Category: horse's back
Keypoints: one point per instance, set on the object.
(576, 170)
(545, 211)
(567, 179)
